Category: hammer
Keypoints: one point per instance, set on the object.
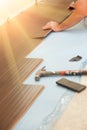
(43, 73)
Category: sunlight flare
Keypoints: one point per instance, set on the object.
(10, 8)
(9, 55)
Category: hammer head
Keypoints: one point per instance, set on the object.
(40, 73)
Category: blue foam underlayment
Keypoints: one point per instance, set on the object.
(56, 50)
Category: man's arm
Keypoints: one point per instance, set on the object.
(72, 20)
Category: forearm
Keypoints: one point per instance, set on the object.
(73, 19)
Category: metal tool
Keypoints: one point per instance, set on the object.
(43, 73)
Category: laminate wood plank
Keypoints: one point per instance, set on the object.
(16, 74)
(16, 104)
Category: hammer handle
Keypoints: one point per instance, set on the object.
(71, 72)
(65, 72)
(44, 73)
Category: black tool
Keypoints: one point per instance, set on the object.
(71, 85)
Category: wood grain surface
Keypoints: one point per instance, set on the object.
(15, 74)
(16, 104)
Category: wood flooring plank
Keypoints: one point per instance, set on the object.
(39, 16)
(17, 35)
(22, 68)
(16, 104)
(16, 74)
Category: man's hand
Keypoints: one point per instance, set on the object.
(54, 26)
